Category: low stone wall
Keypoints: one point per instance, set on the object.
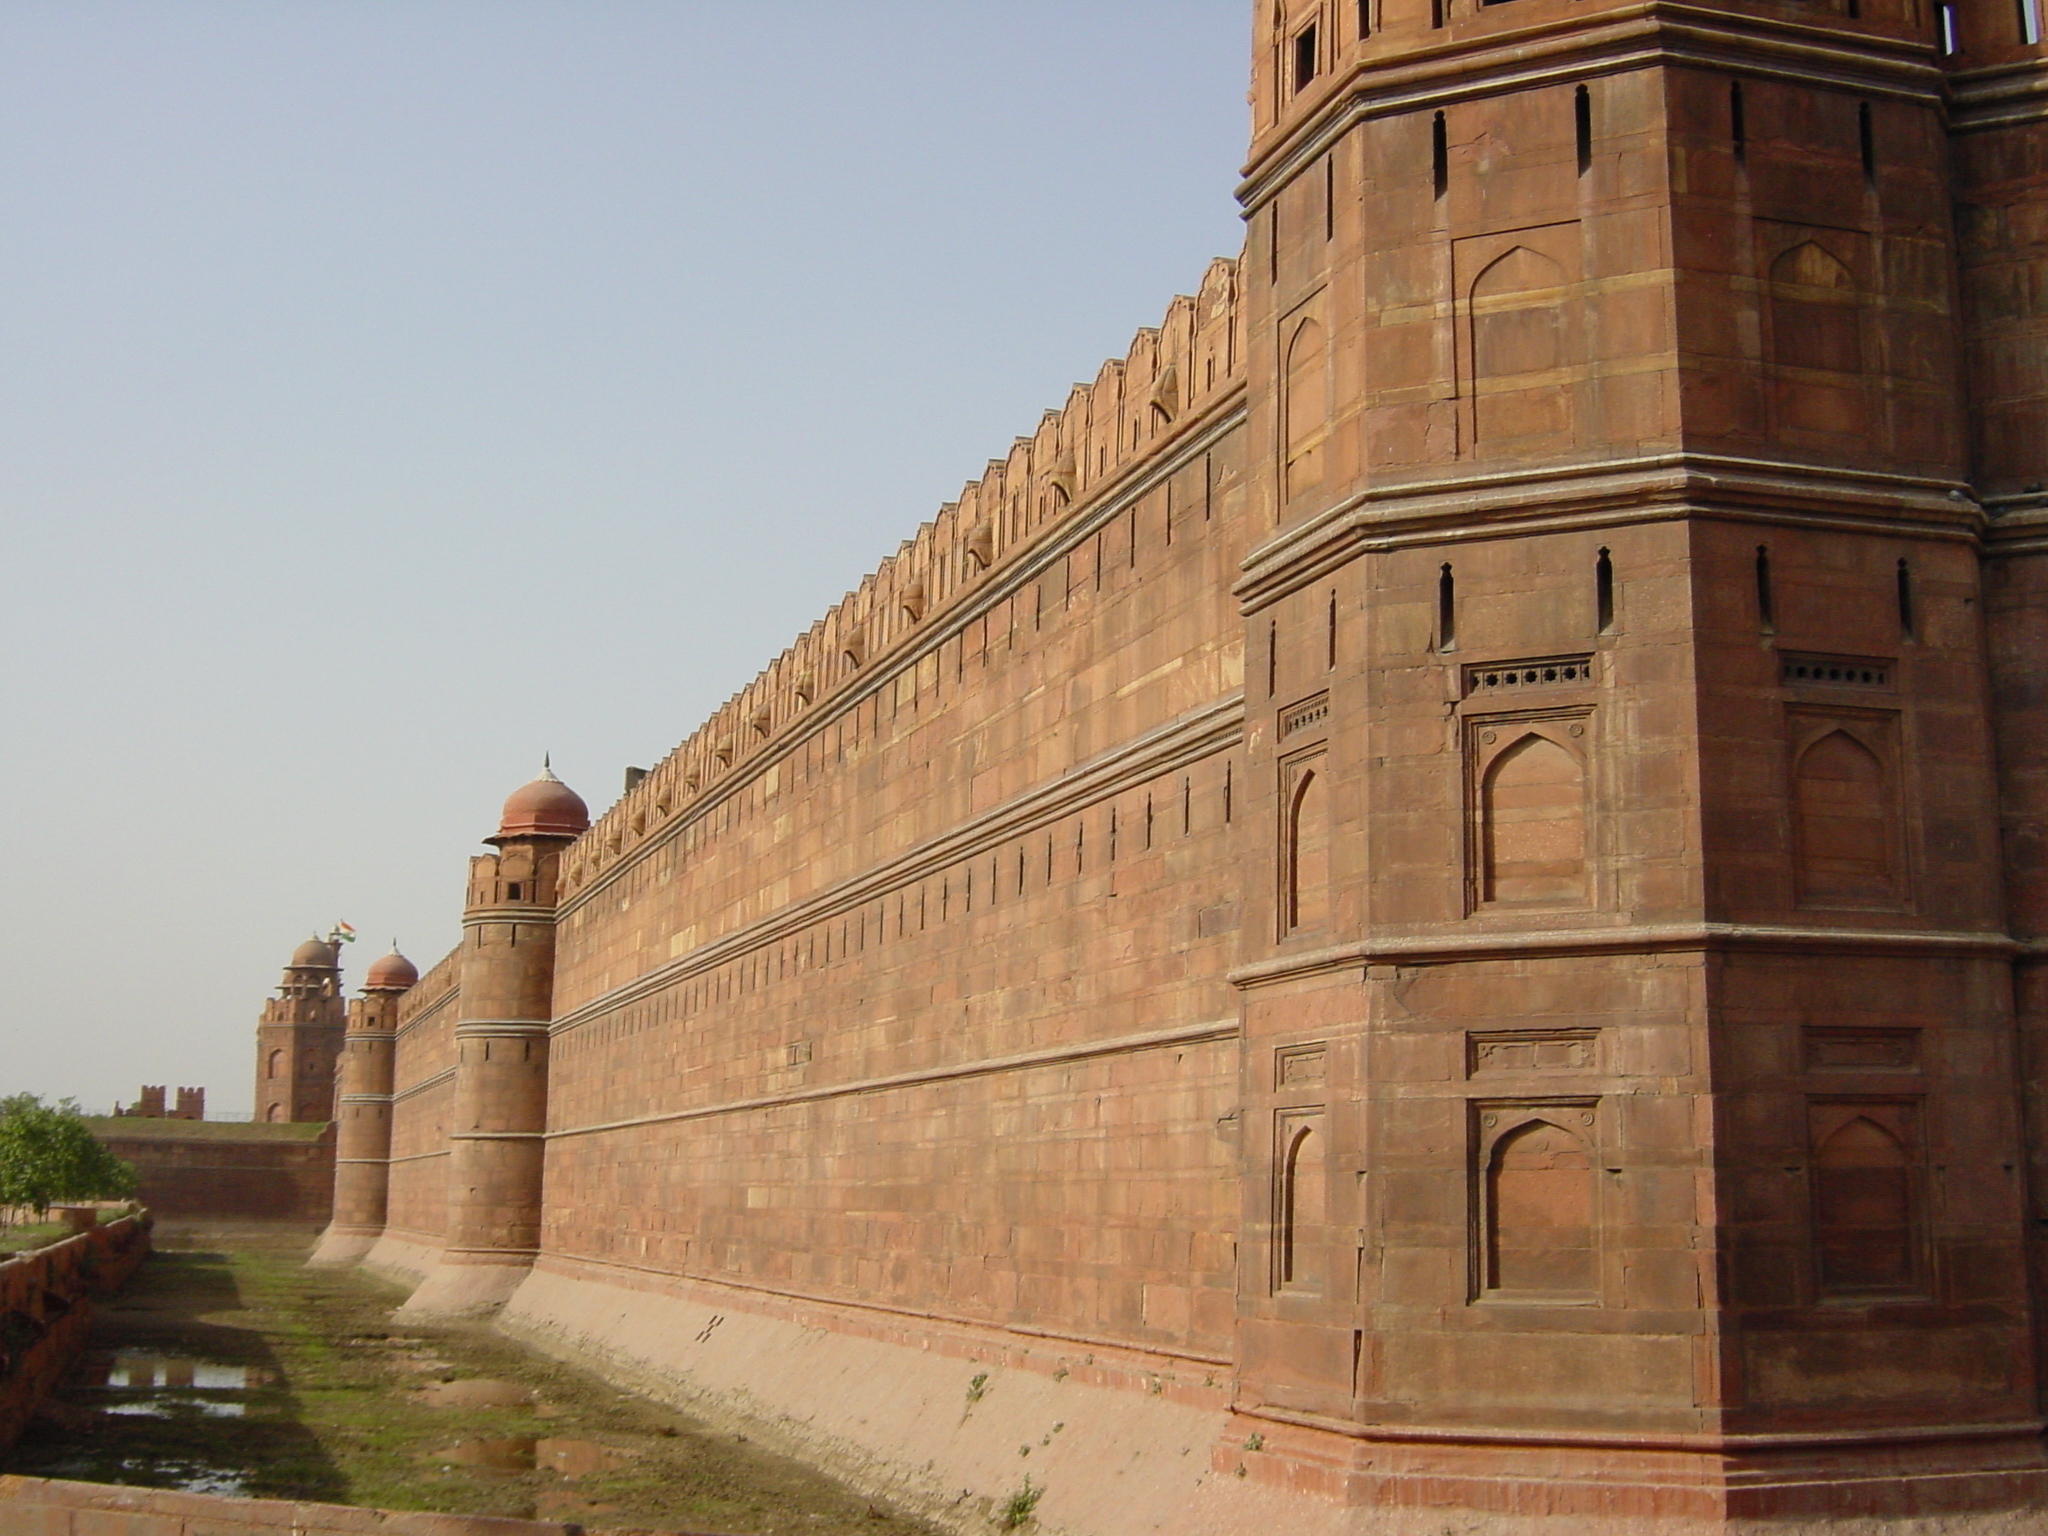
(37, 1506)
(215, 1168)
(45, 1310)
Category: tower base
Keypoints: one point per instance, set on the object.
(341, 1246)
(462, 1285)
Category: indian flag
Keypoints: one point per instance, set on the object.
(343, 934)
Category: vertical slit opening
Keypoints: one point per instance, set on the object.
(1436, 13)
(1866, 141)
(1330, 659)
(1364, 19)
(1905, 579)
(1440, 154)
(1603, 593)
(1272, 658)
(1766, 611)
(1446, 610)
(2030, 22)
(1738, 126)
(1582, 122)
(1945, 29)
(1330, 196)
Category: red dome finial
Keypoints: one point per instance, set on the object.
(545, 808)
(392, 973)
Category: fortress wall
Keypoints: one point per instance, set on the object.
(921, 1005)
(423, 1083)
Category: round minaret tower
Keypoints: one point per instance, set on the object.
(299, 1037)
(499, 1120)
(362, 1166)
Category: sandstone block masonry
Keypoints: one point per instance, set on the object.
(1431, 898)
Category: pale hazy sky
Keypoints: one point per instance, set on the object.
(394, 390)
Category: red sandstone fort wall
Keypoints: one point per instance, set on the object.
(920, 1002)
(423, 1085)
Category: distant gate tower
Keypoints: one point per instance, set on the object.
(298, 1039)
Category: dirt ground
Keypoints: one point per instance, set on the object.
(228, 1366)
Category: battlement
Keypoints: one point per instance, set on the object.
(1173, 377)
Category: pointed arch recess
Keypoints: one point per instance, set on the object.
(1845, 851)
(1305, 876)
(1532, 814)
(1306, 404)
(1521, 320)
(1301, 1201)
(1541, 1236)
(1863, 1199)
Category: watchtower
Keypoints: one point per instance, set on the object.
(299, 1038)
(1634, 1122)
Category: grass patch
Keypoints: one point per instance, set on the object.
(334, 1411)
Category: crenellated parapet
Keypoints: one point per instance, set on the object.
(1171, 379)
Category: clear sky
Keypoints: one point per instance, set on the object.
(392, 391)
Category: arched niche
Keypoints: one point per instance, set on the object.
(1864, 1199)
(1305, 404)
(1522, 345)
(1540, 1236)
(1532, 812)
(1845, 834)
(1305, 849)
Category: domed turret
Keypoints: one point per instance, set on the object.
(545, 808)
(392, 973)
(314, 954)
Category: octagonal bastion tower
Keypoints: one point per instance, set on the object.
(1425, 906)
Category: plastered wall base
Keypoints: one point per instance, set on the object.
(456, 1289)
(946, 1420)
(338, 1249)
(401, 1258)
(950, 1420)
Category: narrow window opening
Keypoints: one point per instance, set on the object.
(1304, 57)
(1227, 784)
(1364, 19)
(2030, 22)
(1945, 22)
(1766, 613)
(1603, 593)
(1906, 601)
(1855, 9)
(1866, 140)
(1738, 126)
(1330, 658)
(1436, 13)
(1446, 610)
(1582, 118)
(1272, 658)
(512, 891)
(1329, 197)
(1440, 154)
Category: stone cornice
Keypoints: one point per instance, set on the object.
(1568, 49)
(1194, 736)
(1653, 488)
(445, 1075)
(1058, 1055)
(1019, 569)
(1998, 96)
(1647, 939)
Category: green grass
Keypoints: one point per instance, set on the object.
(26, 1236)
(338, 1414)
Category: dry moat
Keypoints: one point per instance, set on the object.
(226, 1366)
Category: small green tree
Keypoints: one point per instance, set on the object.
(48, 1153)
